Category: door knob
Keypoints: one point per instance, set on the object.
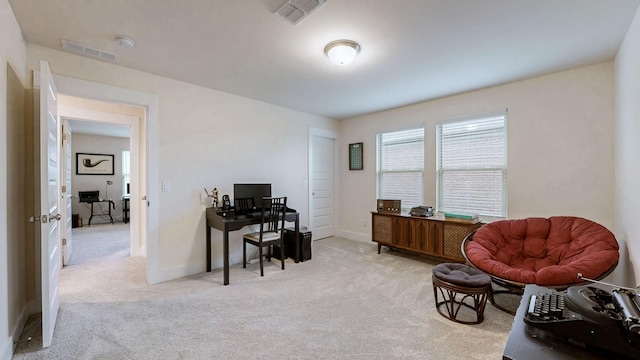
(55, 217)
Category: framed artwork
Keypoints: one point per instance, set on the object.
(355, 156)
(94, 164)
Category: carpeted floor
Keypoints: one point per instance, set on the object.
(347, 302)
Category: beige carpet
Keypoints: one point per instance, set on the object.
(348, 302)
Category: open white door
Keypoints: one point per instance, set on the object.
(65, 179)
(49, 209)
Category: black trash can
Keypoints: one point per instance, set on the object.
(304, 238)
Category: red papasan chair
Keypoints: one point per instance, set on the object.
(547, 252)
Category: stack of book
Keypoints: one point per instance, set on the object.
(462, 216)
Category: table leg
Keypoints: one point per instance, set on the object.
(91, 217)
(225, 250)
(208, 248)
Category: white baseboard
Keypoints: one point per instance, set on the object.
(6, 349)
(15, 333)
(351, 235)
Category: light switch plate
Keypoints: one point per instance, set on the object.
(166, 186)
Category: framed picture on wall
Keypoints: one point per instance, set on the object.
(94, 164)
(355, 156)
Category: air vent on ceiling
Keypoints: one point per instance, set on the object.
(89, 51)
(295, 10)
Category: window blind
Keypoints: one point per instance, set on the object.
(400, 166)
(472, 166)
(126, 170)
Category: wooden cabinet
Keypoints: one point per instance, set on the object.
(434, 236)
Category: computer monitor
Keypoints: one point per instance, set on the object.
(89, 196)
(250, 191)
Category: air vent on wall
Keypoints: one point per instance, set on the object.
(295, 10)
(89, 51)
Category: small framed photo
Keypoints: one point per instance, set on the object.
(355, 156)
(94, 164)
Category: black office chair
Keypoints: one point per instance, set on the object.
(271, 231)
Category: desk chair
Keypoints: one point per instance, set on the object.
(271, 230)
(243, 205)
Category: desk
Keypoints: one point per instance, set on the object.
(109, 206)
(232, 222)
(521, 345)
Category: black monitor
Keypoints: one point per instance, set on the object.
(250, 191)
(89, 196)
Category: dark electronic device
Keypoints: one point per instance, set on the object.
(421, 211)
(589, 316)
(89, 196)
(226, 203)
(388, 206)
(243, 192)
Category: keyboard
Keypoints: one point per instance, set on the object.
(547, 306)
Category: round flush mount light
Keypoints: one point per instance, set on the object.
(342, 52)
(125, 41)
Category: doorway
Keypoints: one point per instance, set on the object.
(322, 160)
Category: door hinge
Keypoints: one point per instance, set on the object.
(64, 242)
(64, 188)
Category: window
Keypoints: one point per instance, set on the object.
(126, 172)
(400, 166)
(472, 166)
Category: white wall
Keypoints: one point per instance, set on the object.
(12, 53)
(85, 143)
(206, 139)
(628, 145)
(560, 146)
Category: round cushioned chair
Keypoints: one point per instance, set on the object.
(547, 252)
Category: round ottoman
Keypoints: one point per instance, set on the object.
(461, 286)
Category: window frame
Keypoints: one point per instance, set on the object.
(503, 168)
(380, 171)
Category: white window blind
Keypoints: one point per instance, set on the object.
(401, 166)
(472, 166)
(126, 171)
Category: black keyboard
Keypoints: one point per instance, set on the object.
(549, 306)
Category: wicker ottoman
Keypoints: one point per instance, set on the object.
(460, 286)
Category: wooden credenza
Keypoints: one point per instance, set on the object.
(434, 236)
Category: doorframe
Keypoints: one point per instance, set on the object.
(149, 170)
(336, 189)
(66, 112)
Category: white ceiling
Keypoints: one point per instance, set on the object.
(412, 50)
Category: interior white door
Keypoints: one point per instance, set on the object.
(322, 187)
(65, 171)
(49, 208)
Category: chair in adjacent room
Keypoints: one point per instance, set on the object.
(271, 231)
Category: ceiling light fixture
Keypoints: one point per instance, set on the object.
(125, 41)
(342, 52)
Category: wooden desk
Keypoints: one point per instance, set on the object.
(231, 222)
(109, 206)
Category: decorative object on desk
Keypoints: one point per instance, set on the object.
(106, 189)
(226, 203)
(425, 211)
(355, 156)
(462, 215)
(389, 206)
(214, 195)
(94, 164)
